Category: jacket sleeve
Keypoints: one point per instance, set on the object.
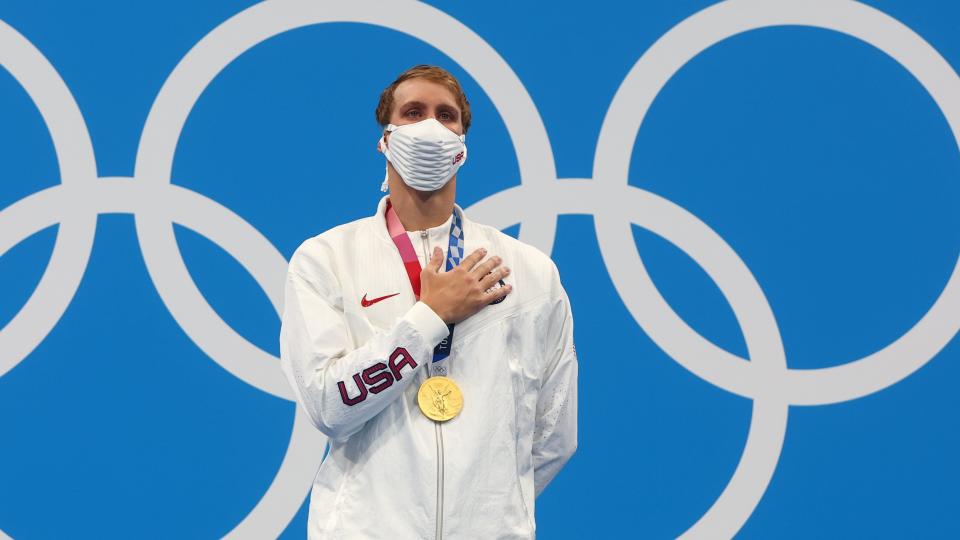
(339, 386)
(555, 434)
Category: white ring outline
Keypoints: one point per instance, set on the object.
(767, 379)
(769, 417)
(180, 92)
(111, 195)
(75, 158)
(801, 385)
(626, 112)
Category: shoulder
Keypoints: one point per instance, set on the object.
(532, 256)
(317, 256)
(538, 270)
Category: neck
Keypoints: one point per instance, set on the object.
(418, 210)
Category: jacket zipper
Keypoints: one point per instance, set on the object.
(438, 431)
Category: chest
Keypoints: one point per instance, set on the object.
(376, 290)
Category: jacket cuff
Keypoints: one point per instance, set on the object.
(428, 323)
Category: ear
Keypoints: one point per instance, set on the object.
(382, 143)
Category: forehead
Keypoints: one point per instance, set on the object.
(424, 91)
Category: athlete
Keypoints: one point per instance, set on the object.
(436, 353)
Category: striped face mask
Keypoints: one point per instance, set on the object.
(426, 154)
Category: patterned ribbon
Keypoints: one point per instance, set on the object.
(412, 265)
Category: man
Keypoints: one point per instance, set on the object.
(447, 383)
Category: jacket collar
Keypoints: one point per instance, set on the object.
(380, 220)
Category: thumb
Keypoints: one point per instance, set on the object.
(436, 259)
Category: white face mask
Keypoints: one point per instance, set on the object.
(426, 154)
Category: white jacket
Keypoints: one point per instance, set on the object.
(391, 472)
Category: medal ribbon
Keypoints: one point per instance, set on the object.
(412, 265)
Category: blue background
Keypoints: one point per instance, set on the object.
(819, 159)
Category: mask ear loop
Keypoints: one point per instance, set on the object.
(386, 166)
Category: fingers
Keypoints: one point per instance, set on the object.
(497, 293)
(486, 267)
(471, 260)
(436, 260)
(493, 277)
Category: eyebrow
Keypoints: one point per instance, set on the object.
(423, 105)
(413, 104)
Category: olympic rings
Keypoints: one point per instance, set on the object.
(535, 203)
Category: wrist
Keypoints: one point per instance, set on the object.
(444, 316)
(426, 321)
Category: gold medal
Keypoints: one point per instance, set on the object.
(440, 398)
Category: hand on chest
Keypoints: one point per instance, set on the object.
(384, 294)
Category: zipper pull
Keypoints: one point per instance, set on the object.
(426, 250)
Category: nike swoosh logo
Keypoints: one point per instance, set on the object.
(367, 303)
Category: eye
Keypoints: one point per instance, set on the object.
(447, 116)
(412, 113)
